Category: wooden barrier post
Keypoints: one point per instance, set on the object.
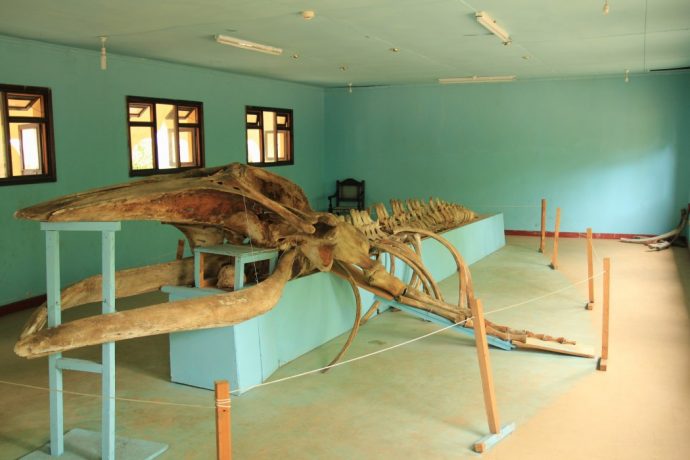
(497, 433)
(590, 270)
(554, 256)
(542, 241)
(223, 426)
(180, 249)
(201, 272)
(605, 317)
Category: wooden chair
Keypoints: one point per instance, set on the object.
(349, 194)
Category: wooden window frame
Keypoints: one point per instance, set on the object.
(177, 103)
(45, 124)
(289, 129)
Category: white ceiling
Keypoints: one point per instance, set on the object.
(435, 38)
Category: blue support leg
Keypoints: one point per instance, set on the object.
(108, 350)
(54, 302)
(272, 263)
(80, 443)
(239, 273)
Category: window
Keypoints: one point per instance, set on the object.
(26, 135)
(269, 136)
(164, 135)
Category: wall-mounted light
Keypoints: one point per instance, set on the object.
(491, 25)
(478, 79)
(627, 76)
(247, 45)
(606, 7)
(104, 57)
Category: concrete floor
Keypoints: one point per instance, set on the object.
(423, 401)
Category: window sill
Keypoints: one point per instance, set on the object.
(154, 172)
(20, 180)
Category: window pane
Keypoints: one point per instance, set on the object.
(188, 146)
(269, 147)
(30, 137)
(26, 153)
(254, 145)
(26, 149)
(269, 121)
(283, 120)
(269, 137)
(187, 115)
(139, 112)
(25, 105)
(283, 145)
(166, 136)
(3, 154)
(142, 147)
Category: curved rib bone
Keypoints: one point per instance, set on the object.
(355, 327)
(652, 241)
(465, 289)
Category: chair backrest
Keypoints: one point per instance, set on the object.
(349, 192)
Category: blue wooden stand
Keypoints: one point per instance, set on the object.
(242, 255)
(199, 358)
(56, 363)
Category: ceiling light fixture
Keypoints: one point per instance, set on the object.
(104, 57)
(247, 45)
(488, 22)
(606, 7)
(477, 79)
(308, 15)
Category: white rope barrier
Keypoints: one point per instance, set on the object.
(594, 249)
(597, 275)
(117, 398)
(221, 403)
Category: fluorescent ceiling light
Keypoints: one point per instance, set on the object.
(476, 79)
(488, 22)
(247, 45)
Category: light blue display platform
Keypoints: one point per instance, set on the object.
(312, 310)
(86, 445)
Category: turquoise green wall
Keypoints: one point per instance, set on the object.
(612, 155)
(91, 147)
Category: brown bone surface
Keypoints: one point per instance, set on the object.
(231, 204)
